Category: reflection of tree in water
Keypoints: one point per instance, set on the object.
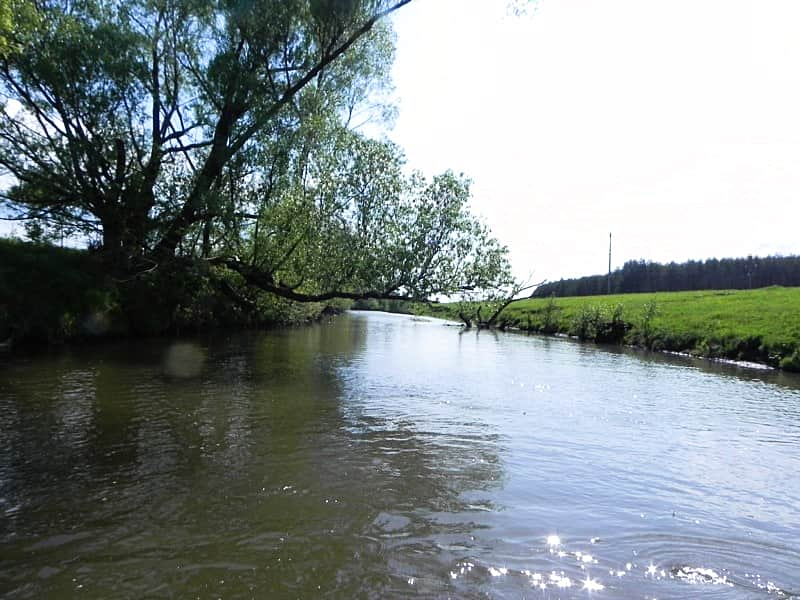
(59, 433)
(249, 479)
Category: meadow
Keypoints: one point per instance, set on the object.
(761, 325)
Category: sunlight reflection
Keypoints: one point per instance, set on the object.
(592, 585)
(700, 575)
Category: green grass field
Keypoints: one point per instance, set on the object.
(760, 325)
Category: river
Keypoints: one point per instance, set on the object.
(384, 456)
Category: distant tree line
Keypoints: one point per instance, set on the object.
(712, 274)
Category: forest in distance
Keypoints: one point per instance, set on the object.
(642, 276)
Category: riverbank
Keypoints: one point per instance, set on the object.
(51, 295)
(761, 326)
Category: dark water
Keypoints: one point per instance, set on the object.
(382, 456)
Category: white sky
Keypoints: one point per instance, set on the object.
(674, 124)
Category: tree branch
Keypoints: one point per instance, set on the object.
(266, 282)
(231, 112)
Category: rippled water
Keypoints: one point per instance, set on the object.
(385, 456)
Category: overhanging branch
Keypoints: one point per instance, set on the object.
(266, 282)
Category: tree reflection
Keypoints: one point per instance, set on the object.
(264, 474)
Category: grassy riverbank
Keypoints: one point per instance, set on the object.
(754, 325)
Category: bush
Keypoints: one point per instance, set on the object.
(586, 321)
(792, 362)
(611, 329)
(644, 334)
(49, 295)
(549, 316)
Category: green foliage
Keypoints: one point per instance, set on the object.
(203, 133)
(791, 363)
(599, 323)
(6, 26)
(391, 306)
(365, 226)
(585, 322)
(50, 295)
(18, 21)
(612, 327)
(644, 331)
(46, 293)
(191, 298)
(549, 323)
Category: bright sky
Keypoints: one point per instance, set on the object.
(673, 124)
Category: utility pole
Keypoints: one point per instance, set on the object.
(609, 263)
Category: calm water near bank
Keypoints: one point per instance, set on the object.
(388, 456)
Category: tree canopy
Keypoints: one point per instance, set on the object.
(226, 133)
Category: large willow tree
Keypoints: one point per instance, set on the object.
(224, 133)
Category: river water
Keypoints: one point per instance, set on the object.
(386, 456)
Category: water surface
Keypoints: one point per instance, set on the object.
(386, 456)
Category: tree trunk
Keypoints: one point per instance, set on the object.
(206, 249)
(113, 248)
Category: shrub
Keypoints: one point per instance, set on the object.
(50, 294)
(586, 321)
(791, 362)
(644, 334)
(47, 292)
(549, 316)
(611, 330)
